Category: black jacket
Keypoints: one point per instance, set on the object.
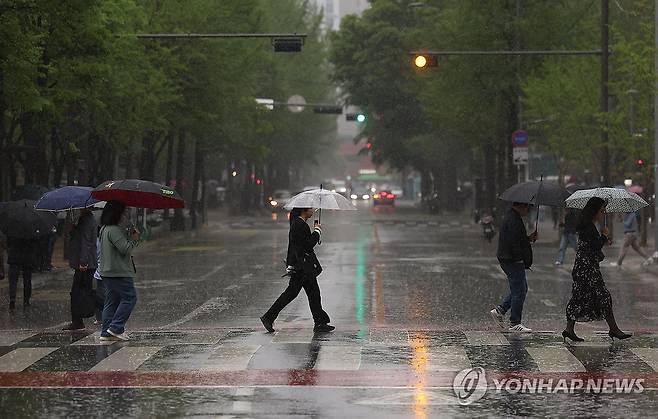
(82, 246)
(21, 252)
(513, 242)
(301, 255)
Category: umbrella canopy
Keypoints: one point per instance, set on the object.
(68, 197)
(619, 200)
(536, 193)
(139, 194)
(30, 192)
(636, 189)
(320, 199)
(19, 219)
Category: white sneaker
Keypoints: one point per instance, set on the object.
(520, 328)
(497, 317)
(615, 265)
(558, 263)
(648, 262)
(121, 336)
(109, 338)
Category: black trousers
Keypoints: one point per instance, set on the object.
(81, 281)
(14, 273)
(310, 285)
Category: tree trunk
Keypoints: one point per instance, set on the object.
(178, 222)
(170, 164)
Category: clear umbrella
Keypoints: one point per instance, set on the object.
(320, 199)
(618, 200)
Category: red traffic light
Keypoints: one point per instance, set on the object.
(640, 162)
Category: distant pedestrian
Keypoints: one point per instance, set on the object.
(117, 271)
(303, 268)
(82, 259)
(631, 228)
(590, 299)
(569, 234)
(515, 256)
(21, 258)
(3, 250)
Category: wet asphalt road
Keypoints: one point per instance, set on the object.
(409, 294)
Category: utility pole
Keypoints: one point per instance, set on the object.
(605, 157)
(655, 133)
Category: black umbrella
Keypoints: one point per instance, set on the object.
(536, 193)
(19, 219)
(139, 194)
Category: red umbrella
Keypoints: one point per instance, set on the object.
(139, 194)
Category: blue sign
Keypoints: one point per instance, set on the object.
(519, 139)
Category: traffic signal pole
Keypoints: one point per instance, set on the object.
(655, 134)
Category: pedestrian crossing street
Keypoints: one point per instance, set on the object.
(300, 349)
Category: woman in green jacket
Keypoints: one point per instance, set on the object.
(117, 270)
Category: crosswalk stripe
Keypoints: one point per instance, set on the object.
(21, 358)
(448, 358)
(555, 359)
(648, 355)
(294, 336)
(333, 357)
(231, 357)
(477, 338)
(9, 338)
(128, 358)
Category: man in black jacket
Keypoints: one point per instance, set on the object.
(21, 256)
(303, 268)
(82, 259)
(515, 256)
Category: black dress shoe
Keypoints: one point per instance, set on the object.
(26, 303)
(323, 328)
(268, 324)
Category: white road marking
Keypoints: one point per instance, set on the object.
(128, 358)
(294, 336)
(12, 337)
(477, 338)
(548, 303)
(230, 357)
(244, 391)
(212, 272)
(21, 358)
(555, 359)
(342, 358)
(648, 355)
(448, 358)
(93, 340)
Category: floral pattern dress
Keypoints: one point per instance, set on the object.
(590, 299)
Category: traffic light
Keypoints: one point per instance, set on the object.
(423, 61)
(287, 44)
(328, 109)
(358, 117)
(369, 145)
(639, 162)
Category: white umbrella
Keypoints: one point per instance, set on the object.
(320, 199)
(618, 200)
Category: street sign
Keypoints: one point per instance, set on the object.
(520, 147)
(296, 100)
(267, 103)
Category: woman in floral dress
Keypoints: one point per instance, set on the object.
(590, 299)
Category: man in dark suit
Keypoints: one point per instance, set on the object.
(303, 268)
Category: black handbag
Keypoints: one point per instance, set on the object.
(83, 303)
(310, 266)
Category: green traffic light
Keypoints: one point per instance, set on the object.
(360, 118)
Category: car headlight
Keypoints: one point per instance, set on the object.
(353, 196)
(273, 203)
(366, 196)
(342, 190)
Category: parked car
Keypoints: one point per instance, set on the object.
(360, 194)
